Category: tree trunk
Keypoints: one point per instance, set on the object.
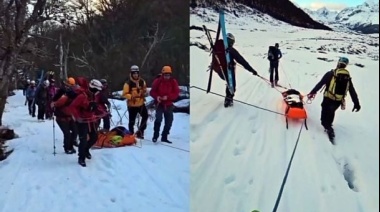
(6, 70)
(4, 84)
(66, 55)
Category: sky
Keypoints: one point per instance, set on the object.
(329, 4)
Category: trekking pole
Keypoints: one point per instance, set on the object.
(53, 135)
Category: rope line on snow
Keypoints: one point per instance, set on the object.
(286, 76)
(245, 103)
(185, 150)
(287, 172)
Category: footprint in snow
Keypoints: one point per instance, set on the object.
(349, 176)
(237, 151)
(229, 179)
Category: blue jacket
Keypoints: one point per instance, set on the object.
(30, 92)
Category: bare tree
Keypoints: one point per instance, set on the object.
(16, 21)
(155, 39)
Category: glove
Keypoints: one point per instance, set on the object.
(356, 108)
(92, 106)
(254, 72)
(311, 96)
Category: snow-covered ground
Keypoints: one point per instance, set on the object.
(154, 177)
(239, 155)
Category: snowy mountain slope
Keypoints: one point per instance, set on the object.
(364, 14)
(363, 18)
(323, 14)
(154, 177)
(240, 154)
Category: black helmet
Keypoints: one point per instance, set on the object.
(230, 39)
(276, 45)
(103, 81)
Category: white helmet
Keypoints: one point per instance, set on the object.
(134, 68)
(46, 82)
(96, 84)
(28, 80)
(293, 98)
(231, 36)
(32, 82)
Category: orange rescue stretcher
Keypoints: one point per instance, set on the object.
(294, 106)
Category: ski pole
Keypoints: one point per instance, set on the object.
(53, 135)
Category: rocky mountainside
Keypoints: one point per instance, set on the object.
(363, 18)
(282, 10)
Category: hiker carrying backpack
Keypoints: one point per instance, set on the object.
(274, 55)
(338, 82)
(235, 57)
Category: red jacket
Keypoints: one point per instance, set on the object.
(80, 106)
(165, 87)
(101, 109)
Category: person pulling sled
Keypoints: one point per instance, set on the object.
(338, 82)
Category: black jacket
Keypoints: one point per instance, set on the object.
(326, 79)
(235, 56)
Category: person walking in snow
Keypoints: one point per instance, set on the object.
(134, 91)
(104, 105)
(52, 90)
(338, 82)
(25, 87)
(274, 56)
(83, 109)
(41, 99)
(30, 96)
(235, 57)
(164, 91)
(60, 106)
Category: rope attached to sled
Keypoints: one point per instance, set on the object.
(261, 108)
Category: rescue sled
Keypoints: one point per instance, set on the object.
(294, 106)
(117, 137)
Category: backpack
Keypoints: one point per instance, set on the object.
(338, 86)
(219, 61)
(272, 53)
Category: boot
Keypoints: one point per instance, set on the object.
(70, 151)
(164, 138)
(81, 162)
(155, 136)
(276, 83)
(228, 102)
(88, 155)
(331, 134)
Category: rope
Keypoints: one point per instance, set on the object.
(287, 172)
(261, 108)
(268, 81)
(286, 76)
(275, 87)
(185, 150)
